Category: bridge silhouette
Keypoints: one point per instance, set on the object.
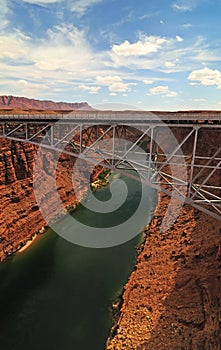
(182, 149)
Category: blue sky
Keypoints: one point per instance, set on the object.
(155, 55)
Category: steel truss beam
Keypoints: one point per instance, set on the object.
(83, 139)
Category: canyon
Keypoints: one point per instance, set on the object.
(172, 299)
(20, 218)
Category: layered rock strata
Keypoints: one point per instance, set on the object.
(173, 298)
(20, 217)
(15, 102)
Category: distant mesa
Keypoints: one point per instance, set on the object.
(8, 103)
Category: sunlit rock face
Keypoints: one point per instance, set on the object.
(23, 103)
(173, 298)
(20, 217)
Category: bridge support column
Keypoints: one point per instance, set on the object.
(113, 145)
(193, 161)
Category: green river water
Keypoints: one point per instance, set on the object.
(57, 295)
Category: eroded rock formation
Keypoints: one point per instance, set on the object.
(14, 102)
(172, 300)
(20, 217)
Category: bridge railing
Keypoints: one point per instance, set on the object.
(118, 116)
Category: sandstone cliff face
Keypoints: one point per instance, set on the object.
(13, 102)
(172, 300)
(20, 217)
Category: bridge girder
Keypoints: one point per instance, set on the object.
(82, 139)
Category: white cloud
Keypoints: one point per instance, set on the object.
(25, 88)
(206, 55)
(151, 52)
(27, 85)
(162, 90)
(63, 44)
(14, 46)
(5, 11)
(187, 25)
(148, 15)
(91, 89)
(184, 5)
(77, 6)
(108, 80)
(179, 39)
(114, 83)
(53, 60)
(64, 60)
(169, 64)
(41, 2)
(61, 52)
(206, 76)
(147, 81)
(144, 46)
(81, 6)
(183, 8)
(67, 35)
(119, 87)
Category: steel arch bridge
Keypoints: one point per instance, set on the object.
(197, 146)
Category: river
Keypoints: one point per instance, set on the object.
(57, 295)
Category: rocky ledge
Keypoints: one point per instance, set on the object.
(173, 298)
(20, 217)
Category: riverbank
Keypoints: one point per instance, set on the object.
(20, 217)
(173, 297)
(118, 301)
(27, 245)
(29, 281)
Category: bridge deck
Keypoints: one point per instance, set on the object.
(118, 116)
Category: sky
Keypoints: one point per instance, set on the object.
(150, 54)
